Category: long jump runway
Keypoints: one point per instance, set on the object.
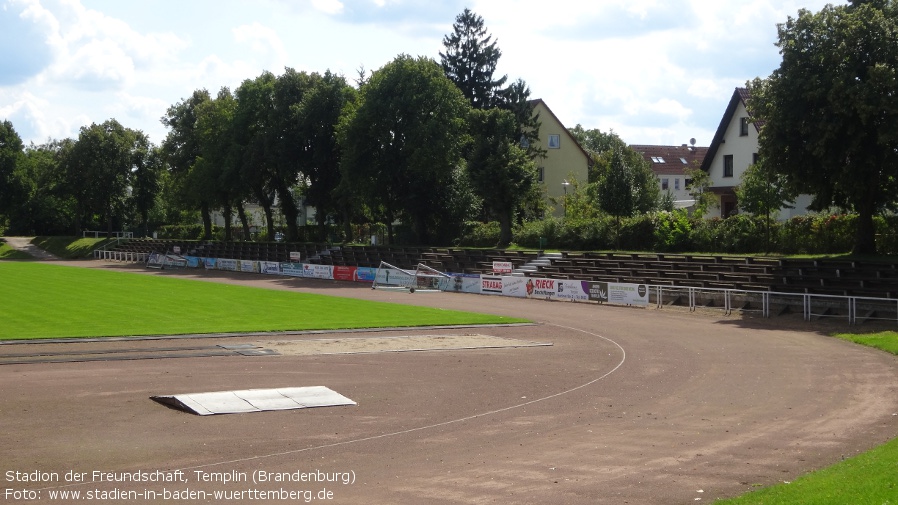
(625, 406)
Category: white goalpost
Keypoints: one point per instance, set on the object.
(422, 279)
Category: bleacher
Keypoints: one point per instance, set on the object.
(818, 276)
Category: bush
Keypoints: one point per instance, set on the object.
(478, 234)
(672, 231)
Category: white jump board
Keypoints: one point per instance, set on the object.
(254, 400)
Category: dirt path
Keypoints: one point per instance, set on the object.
(626, 406)
(24, 244)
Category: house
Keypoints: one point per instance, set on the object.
(565, 158)
(669, 164)
(733, 149)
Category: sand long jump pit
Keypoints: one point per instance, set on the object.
(400, 343)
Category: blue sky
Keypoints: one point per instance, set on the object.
(654, 71)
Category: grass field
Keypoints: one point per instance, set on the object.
(8, 253)
(50, 301)
(869, 478)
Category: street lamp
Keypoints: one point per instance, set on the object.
(564, 185)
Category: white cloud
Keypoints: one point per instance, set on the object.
(264, 41)
(331, 7)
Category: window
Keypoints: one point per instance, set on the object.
(542, 174)
(657, 159)
(554, 141)
(525, 144)
(664, 184)
(677, 183)
(754, 158)
(728, 165)
(743, 126)
(684, 161)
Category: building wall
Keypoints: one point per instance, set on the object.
(563, 160)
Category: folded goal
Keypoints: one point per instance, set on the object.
(423, 278)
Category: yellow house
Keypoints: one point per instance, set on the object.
(565, 158)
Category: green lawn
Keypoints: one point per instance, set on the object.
(868, 479)
(42, 300)
(8, 253)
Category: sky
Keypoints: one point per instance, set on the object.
(653, 71)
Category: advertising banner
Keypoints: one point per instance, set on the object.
(341, 273)
(394, 277)
(192, 261)
(270, 267)
(292, 269)
(576, 291)
(541, 288)
(490, 285)
(209, 263)
(628, 294)
(462, 283)
(248, 266)
(227, 264)
(502, 267)
(295, 257)
(314, 271)
(619, 293)
(365, 274)
(514, 286)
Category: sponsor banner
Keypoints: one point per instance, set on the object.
(249, 266)
(537, 287)
(314, 271)
(227, 264)
(192, 261)
(209, 263)
(502, 267)
(461, 283)
(365, 274)
(295, 257)
(628, 294)
(342, 273)
(575, 291)
(292, 269)
(270, 267)
(490, 285)
(619, 293)
(392, 276)
(514, 286)
(598, 291)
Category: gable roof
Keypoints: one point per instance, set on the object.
(740, 95)
(563, 128)
(671, 160)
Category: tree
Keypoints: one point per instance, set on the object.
(146, 181)
(699, 187)
(402, 144)
(99, 170)
(181, 148)
(317, 116)
(830, 111)
(501, 172)
(11, 147)
(763, 193)
(470, 60)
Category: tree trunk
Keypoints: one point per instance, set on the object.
(227, 214)
(865, 238)
(290, 212)
(269, 221)
(505, 235)
(207, 220)
(241, 214)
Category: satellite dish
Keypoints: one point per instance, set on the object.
(692, 141)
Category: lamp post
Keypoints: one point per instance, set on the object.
(564, 185)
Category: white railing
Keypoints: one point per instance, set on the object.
(812, 305)
(97, 234)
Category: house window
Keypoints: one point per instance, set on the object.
(525, 144)
(541, 176)
(677, 183)
(554, 141)
(743, 126)
(728, 165)
(754, 158)
(664, 184)
(657, 159)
